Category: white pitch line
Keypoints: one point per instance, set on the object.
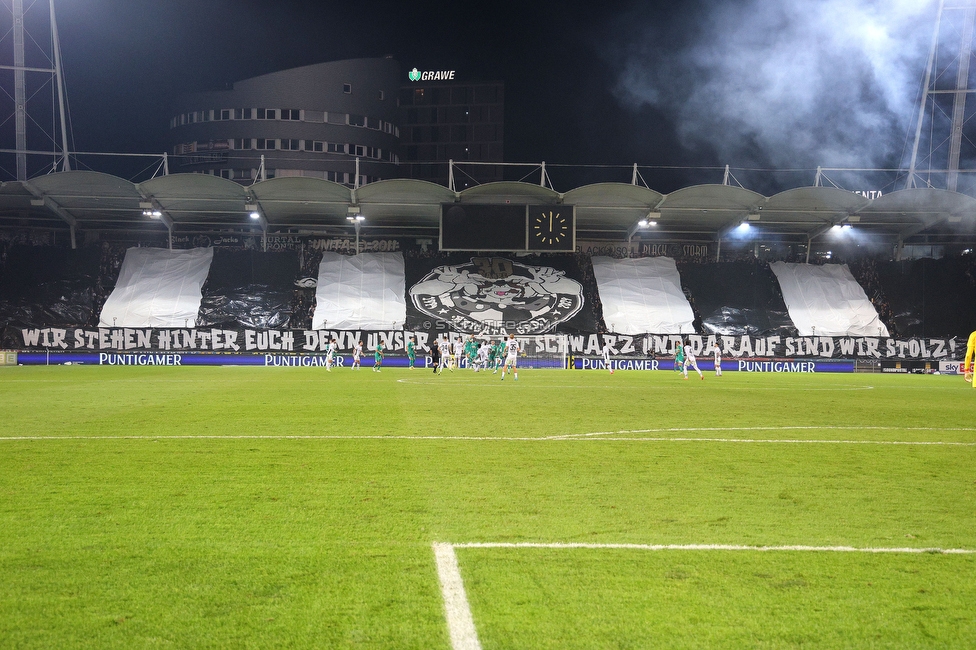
(607, 436)
(719, 547)
(460, 623)
(759, 428)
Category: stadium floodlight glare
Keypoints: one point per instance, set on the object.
(846, 226)
(255, 215)
(744, 226)
(152, 214)
(651, 223)
(356, 218)
(835, 227)
(643, 223)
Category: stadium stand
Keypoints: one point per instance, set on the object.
(46, 286)
(930, 297)
(51, 286)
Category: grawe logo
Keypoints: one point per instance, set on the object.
(431, 75)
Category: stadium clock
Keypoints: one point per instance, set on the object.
(551, 228)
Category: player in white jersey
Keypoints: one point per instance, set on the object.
(330, 355)
(457, 349)
(458, 352)
(482, 358)
(357, 353)
(718, 360)
(690, 361)
(445, 354)
(607, 350)
(511, 356)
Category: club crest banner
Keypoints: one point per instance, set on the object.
(499, 295)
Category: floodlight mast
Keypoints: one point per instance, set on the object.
(959, 93)
(20, 89)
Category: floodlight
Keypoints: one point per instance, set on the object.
(835, 227)
(356, 219)
(255, 215)
(643, 223)
(744, 226)
(651, 223)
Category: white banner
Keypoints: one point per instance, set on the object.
(827, 301)
(364, 291)
(158, 288)
(642, 295)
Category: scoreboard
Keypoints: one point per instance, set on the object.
(508, 228)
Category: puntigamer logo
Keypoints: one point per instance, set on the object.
(431, 75)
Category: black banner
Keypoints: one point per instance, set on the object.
(638, 347)
(527, 295)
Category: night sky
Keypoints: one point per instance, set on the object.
(613, 82)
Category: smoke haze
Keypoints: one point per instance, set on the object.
(780, 83)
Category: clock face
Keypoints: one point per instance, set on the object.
(550, 229)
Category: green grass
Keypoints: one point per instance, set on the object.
(163, 538)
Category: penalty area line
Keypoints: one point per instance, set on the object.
(722, 547)
(460, 621)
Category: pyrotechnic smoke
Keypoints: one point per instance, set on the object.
(782, 83)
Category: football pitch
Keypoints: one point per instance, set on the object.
(294, 507)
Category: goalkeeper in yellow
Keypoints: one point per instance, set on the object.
(967, 365)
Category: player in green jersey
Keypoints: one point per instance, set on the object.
(499, 348)
(378, 357)
(411, 352)
(470, 350)
(679, 357)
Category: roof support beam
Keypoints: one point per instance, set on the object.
(926, 222)
(54, 207)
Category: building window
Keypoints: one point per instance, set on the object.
(291, 114)
(242, 113)
(335, 147)
(356, 120)
(358, 150)
(242, 143)
(347, 88)
(292, 145)
(269, 143)
(225, 113)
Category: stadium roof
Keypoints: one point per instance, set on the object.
(605, 211)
